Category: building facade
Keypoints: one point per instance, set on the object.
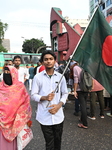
(82, 22)
(65, 33)
(105, 6)
(6, 44)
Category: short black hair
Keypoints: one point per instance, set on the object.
(17, 56)
(47, 52)
(32, 65)
(40, 61)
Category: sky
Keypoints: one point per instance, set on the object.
(29, 19)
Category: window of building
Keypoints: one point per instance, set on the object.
(109, 14)
(108, 2)
(102, 7)
(109, 11)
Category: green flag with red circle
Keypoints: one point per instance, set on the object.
(94, 52)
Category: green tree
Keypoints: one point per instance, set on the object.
(3, 28)
(31, 46)
(2, 49)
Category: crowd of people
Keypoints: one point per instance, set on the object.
(97, 94)
(45, 87)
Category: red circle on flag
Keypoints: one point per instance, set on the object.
(107, 51)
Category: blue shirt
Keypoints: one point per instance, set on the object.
(31, 72)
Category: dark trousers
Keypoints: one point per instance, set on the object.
(111, 104)
(52, 135)
(76, 105)
(107, 102)
(93, 102)
(82, 97)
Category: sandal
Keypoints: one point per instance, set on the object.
(82, 126)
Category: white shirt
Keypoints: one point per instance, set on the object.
(22, 74)
(42, 86)
(1, 77)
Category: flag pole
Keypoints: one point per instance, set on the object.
(73, 53)
(60, 78)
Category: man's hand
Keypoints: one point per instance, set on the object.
(55, 108)
(25, 80)
(50, 96)
(75, 94)
(75, 89)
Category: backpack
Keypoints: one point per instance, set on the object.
(85, 81)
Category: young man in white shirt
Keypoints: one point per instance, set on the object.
(23, 74)
(50, 113)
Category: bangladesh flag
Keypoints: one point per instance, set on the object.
(94, 52)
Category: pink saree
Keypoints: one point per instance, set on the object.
(15, 109)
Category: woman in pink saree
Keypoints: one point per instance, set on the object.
(15, 109)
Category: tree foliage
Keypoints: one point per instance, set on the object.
(3, 28)
(31, 46)
(2, 49)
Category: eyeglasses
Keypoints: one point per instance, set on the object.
(9, 64)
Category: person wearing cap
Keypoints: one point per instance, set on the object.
(72, 64)
(81, 96)
(71, 83)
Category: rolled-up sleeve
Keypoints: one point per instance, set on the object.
(76, 76)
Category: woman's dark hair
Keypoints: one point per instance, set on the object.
(47, 52)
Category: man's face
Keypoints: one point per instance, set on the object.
(17, 62)
(48, 61)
